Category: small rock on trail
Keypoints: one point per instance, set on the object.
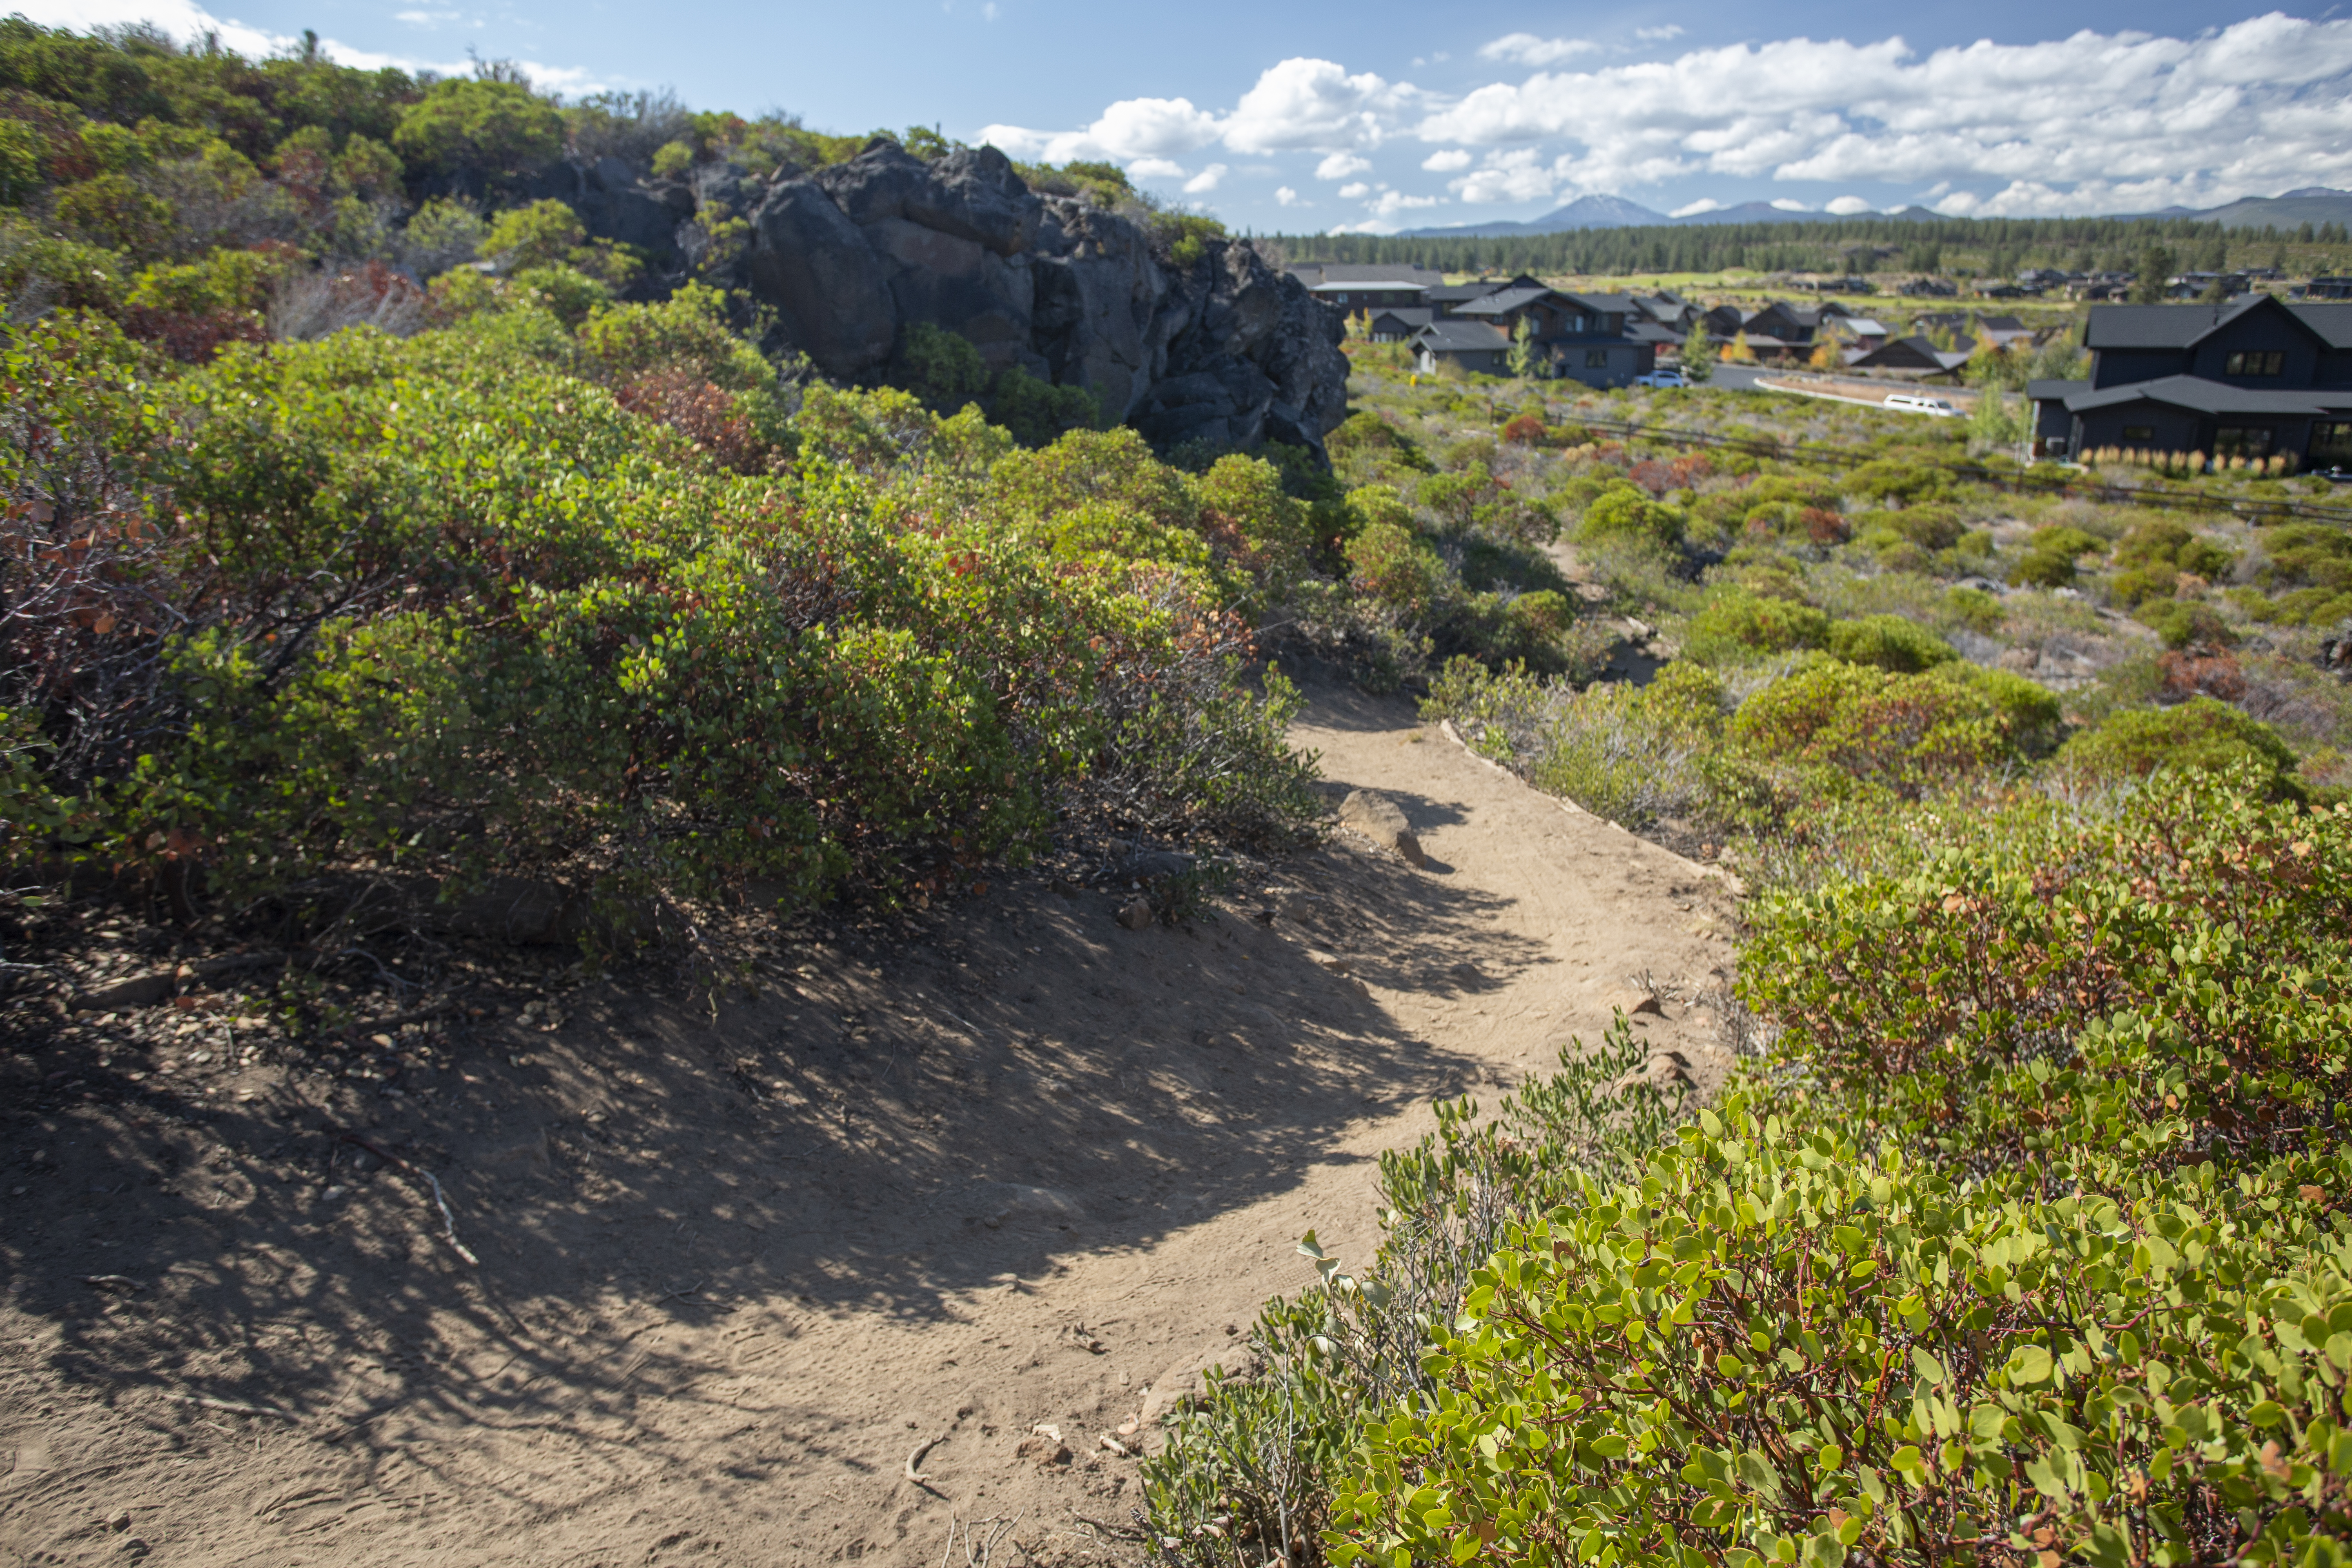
(1380, 819)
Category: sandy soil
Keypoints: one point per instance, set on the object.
(734, 1269)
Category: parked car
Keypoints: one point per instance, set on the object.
(1920, 403)
(1669, 377)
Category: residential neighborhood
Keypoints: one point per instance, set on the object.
(1612, 339)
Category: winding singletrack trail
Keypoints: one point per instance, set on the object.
(743, 1276)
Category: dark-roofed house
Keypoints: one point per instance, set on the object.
(1912, 356)
(1448, 297)
(1351, 289)
(1576, 337)
(1467, 345)
(1781, 331)
(1398, 325)
(2255, 377)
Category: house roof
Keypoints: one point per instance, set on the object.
(1653, 333)
(1866, 326)
(1458, 293)
(2202, 397)
(2047, 391)
(1405, 315)
(1346, 287)
(1911, 351)
(2184, 326)
(1497, 304)
(1460, 337)
(1314, 272)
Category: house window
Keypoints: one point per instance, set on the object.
(2242, 441)
(1596, 359)
(2139, 435)
(2270, 363)
(2331, 443)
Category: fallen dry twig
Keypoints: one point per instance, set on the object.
(448, 1221)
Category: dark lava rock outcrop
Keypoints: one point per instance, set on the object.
(1227, 349)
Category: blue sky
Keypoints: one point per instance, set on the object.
(1383, 115)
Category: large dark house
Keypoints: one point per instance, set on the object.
(2255, 377)
(1602, 339)
(1572, 337)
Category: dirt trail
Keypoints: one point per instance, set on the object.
(734, 1271)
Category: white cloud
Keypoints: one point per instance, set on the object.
(989, 12)
(1207, 180)
(1313, 105)
(1517, 175)
(1659, 35)
(1131, 128)
(1704, 205)
(1789, 204)
(1340, 165)
(1446, 162)
(1298, 105)
(1391, 203)
(1350, 192)
(1846, 207)
(1155, 169)
(426, 18)
(1527, 49)
(1285, 197)
(2087, 123)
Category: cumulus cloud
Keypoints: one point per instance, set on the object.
(1155, 169)
(1692, 209)
(1131, 128)
(1659, 35)
(1285, 197)
(1350, 192)
(1789, 204)
(1517, 175)
(1207, 180)
(1527, 49)
(1316, 106)
(1391, 203)
(2093, 122)
(2074, 125)
(1296, 105)
(1846, 207)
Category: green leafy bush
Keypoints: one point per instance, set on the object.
(1889, 642)
(2051, 561)
(1832, 727)
(1624, 513)
(499, 128)
(1978, 1274)
(1736, 627)
(440, 602)
(2201, 735)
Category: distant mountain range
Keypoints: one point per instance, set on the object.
(2312, 205)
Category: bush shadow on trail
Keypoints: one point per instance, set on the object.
(887, 1131)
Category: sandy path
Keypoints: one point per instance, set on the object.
(734, 1270)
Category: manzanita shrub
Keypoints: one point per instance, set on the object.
(452, 605)
(2028, 1242)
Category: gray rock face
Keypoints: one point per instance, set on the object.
(811, 263)
(1228, 350)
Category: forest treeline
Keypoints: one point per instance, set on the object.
(1994, 248)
